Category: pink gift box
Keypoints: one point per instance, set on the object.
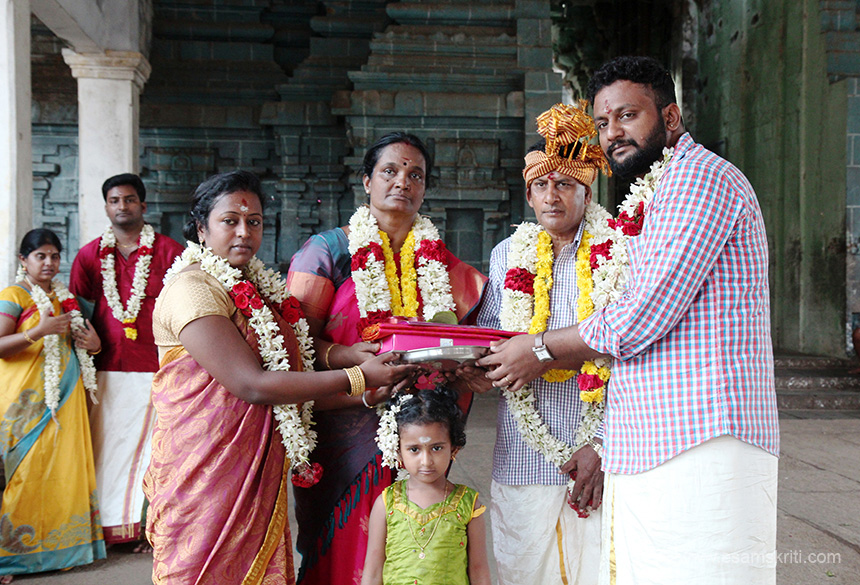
(408, 335)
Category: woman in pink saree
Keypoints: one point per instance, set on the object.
(333, 278)
(219, 476)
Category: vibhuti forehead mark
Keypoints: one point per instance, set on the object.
(244, 206)
(552, 175)
(424, 440)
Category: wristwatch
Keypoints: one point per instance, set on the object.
(541, 350)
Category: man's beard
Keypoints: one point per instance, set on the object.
(640, 161)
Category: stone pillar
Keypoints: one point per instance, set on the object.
(16, 165)
(109, 86)
(534, 56)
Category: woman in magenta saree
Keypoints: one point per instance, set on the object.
(231, 343)
(338, 291)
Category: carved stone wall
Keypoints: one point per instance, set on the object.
(455, 74)
(295, 91)
(311, 142)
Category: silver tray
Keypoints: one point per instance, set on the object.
(445, 358)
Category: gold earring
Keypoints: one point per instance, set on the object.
(453, 457)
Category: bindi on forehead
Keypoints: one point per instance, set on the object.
(552, 176)
(406, 161)
(243, 206)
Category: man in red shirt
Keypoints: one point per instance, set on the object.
(122, 273)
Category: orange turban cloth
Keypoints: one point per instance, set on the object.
(567, 131)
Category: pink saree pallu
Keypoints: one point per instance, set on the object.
(217, 483)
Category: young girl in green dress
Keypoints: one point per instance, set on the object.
(425, 529)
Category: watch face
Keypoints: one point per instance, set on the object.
(542, 353)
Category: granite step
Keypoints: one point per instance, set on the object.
(816, 383)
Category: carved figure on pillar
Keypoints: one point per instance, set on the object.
(121, 272)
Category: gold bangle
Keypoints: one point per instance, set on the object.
(325, 357)
(28, 338)
(96, 352)
(357, 383)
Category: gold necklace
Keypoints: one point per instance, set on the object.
(421, 554)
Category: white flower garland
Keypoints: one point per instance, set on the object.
(610, 276)
(298, 437)
(51, 346)
(387, 437)
(518, 306)
(107, 253)
(371, 284)
(609, 281)
(433, 280)
(516, 315)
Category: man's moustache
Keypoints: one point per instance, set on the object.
(618, 144)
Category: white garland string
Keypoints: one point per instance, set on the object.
(371, 284)
(295, 425)
(609, 282)
(51, 346)
(127, 315)
(387, 437)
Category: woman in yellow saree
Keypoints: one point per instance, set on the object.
(49, 518)
(232, 343)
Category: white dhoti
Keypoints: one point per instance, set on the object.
(537, 538)
(121, 425)
(705, 517)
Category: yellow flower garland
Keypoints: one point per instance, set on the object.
(409, 276)
(130, 329)
(404, 295)
(543, 285)
(584, 306)
(584, 309)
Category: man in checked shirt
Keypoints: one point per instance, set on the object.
(691, 434)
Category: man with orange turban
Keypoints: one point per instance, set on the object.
(537, 536)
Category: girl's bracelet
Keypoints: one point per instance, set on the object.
(29, 339)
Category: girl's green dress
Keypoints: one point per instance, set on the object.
(427, 546)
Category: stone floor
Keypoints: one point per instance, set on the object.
(819, 501)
